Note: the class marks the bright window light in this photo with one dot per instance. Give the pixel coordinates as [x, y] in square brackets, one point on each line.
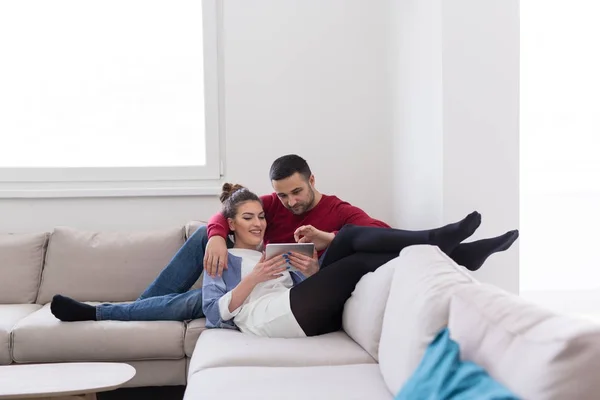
[560, 145]
[112, 83]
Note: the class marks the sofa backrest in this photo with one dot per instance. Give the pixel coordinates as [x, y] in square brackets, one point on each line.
[21, 262]
[533, 351]
[105, 266]
[417, 309]
[191, 227]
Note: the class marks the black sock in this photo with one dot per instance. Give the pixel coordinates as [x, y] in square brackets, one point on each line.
[450, 236]
[67, 309]
[473, 255]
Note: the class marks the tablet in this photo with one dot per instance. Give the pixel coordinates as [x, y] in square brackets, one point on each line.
[276, 249]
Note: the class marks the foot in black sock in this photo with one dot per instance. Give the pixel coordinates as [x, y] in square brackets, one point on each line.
[67, 309]
[473, 255]
[449, 236]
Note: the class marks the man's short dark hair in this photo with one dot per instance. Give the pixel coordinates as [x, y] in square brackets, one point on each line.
[288, 165]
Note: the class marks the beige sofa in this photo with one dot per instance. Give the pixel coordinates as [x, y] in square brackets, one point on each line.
[390, 319]
[92, 267]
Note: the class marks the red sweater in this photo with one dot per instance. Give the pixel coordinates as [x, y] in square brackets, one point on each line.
[329, 215]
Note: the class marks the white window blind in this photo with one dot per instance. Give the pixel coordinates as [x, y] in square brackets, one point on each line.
[560, 145]
[112, 90]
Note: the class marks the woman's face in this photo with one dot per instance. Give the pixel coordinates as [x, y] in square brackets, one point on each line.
[249, 224]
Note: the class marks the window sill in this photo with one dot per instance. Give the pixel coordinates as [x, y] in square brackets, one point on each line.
[107, 189]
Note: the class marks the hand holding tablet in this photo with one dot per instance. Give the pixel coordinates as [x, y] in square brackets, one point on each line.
[277, 249]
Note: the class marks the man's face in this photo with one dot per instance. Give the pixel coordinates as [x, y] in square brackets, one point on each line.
[295, 193]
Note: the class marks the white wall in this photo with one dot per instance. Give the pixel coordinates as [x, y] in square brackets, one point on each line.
[405, 108]
[458, 127]
[307, 77]
[418, 113]
[481, 122]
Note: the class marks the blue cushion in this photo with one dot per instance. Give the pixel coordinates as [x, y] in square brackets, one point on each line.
[442, 375]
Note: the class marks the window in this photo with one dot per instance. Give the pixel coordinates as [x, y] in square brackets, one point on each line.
[560, 146]
[120, 94]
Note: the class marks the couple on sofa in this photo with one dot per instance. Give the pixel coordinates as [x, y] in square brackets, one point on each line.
[242, 290]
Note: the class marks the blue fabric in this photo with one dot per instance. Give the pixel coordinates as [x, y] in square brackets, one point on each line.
[442, 375]
[169, 307]
[213, 288]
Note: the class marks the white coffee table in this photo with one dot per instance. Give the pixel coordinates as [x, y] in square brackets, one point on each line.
[62, 380]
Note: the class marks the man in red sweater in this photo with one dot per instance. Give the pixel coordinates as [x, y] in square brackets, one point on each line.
[295, 212]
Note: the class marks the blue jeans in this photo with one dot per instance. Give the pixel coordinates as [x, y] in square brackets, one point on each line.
[167, 298]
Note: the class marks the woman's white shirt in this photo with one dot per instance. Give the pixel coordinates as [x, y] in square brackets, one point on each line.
[266, 311]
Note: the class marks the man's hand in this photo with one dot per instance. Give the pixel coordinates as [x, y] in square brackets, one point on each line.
[308, 266]
[310, 234]
[215, 256]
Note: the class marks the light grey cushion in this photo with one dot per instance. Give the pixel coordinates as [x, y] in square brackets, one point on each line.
[193, 329]
[347, 382]
[192, 227]
[10, 314]
[105, 266]
[533, 351]
[417, 309]
[157, 373]
[228, 348]
[40, 337]
[21, 261]
[363, 311]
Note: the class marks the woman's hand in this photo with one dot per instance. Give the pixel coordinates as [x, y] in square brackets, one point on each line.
[267, 270]
[262, 272]
[305, 264]
[310, 234]
[215, 256]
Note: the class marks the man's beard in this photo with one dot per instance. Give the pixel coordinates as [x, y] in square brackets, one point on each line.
[304, 207]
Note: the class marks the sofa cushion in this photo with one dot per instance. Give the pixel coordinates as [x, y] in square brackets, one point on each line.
[417, 309]
[533, 351]
[226, 347]
[348, 382]
[21, 262]
[363, 312]
[40, 337]
[192, 227]
[193, 329]
[10, 314]
[105, 266]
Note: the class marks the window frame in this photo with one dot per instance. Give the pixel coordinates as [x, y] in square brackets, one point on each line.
[31, 182]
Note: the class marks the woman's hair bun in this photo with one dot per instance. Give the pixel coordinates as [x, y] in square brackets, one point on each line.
[228, 190]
